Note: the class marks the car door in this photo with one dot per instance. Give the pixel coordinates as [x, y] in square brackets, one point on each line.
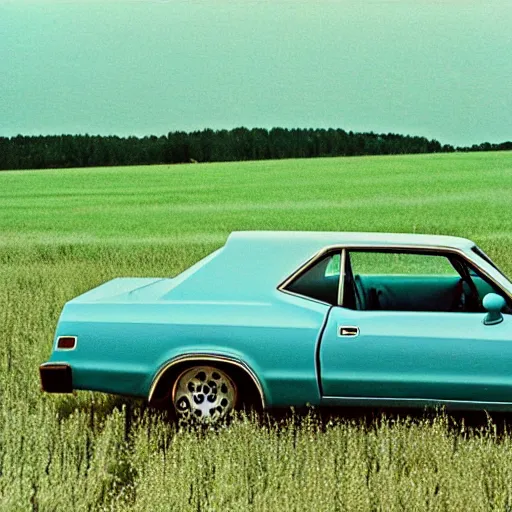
[445, 356]
[433, 355]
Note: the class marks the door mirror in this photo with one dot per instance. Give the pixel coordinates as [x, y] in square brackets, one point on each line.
[493, 303]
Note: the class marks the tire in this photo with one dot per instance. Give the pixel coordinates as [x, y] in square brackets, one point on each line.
[204, 393]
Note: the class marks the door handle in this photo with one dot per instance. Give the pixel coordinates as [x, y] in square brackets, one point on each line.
[348, 331]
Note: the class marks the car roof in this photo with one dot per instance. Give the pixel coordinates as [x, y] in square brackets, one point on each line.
[327, 238]
[253, 263]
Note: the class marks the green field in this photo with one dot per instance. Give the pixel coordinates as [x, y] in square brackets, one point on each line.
[65, 231]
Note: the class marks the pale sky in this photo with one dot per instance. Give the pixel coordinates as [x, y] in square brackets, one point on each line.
[441, 69]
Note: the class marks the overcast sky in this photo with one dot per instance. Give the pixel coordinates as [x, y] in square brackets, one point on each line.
[442, 69]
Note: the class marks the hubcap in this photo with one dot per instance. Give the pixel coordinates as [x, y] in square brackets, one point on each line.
[204, 392]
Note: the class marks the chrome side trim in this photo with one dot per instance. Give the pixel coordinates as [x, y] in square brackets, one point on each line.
[418, 401]
[311, 299]
[384, 248]
[207, 357]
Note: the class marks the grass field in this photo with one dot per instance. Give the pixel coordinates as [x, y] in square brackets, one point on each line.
[65, 231]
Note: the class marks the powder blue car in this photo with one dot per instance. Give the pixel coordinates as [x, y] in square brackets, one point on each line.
[294, 318]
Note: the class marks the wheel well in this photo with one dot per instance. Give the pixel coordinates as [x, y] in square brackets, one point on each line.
[246, 382]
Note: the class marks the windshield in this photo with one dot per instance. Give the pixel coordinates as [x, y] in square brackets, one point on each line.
[484, 256]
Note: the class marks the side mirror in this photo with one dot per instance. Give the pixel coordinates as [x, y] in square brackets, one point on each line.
[493, 303]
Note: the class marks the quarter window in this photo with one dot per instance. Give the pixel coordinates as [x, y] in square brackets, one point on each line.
[321, 281]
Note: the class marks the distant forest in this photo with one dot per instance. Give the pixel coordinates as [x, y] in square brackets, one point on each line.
[41, 152]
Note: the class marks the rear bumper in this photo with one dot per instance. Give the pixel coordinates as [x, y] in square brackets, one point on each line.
[56, 378]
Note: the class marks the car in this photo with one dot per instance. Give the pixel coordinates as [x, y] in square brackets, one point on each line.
[278, 319]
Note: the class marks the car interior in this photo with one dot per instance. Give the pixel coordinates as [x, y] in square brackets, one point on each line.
[462, 290]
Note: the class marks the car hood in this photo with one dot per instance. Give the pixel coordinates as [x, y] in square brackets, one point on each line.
[127, 289]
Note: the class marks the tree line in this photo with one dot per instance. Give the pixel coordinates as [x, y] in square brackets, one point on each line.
[55, 151]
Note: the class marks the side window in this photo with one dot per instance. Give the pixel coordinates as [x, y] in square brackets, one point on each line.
[394, 263]
[398, 281]
[320, 281]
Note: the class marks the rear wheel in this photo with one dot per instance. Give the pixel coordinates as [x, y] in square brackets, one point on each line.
[205, 393]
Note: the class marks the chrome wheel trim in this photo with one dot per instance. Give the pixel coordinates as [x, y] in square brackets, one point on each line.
[204, 393]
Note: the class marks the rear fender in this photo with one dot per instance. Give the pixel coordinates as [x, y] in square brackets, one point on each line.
[225, 359]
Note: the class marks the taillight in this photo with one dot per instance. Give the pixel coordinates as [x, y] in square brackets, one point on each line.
[66, 342]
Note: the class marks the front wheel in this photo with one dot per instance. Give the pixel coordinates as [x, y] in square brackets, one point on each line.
[205, 393]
